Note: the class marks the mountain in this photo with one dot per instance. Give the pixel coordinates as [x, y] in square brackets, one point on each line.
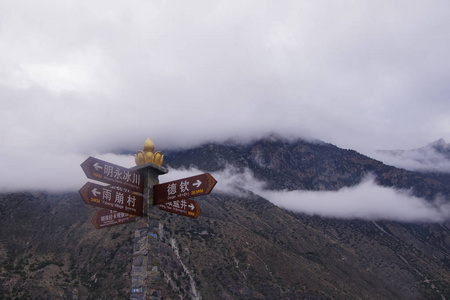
[434, 157]
[439, 146]
[241, 246]
[306, 165]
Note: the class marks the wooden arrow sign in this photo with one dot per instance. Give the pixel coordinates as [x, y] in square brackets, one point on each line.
[106, 217]
[106, 197]
[106, 172]
[186, 207]
[183, 188]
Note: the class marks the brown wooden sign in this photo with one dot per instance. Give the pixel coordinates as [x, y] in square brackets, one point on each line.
[183, 188]
[185, 207]
[106, 197]
[106, 217]
[106, 172]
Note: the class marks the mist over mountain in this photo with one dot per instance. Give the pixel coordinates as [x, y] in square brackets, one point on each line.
[288, 219]
[433, 157]
[284, 164]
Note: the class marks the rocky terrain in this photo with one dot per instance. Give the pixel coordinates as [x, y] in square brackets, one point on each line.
[240, 247]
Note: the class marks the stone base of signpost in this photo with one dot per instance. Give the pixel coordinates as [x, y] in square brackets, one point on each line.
[140, 261]
[146, 280]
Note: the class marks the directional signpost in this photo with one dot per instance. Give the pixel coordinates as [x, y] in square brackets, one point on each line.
[106, 217]
[132, 192]
[186, 207]
[183, 188]
[107, 197]
[106, 172]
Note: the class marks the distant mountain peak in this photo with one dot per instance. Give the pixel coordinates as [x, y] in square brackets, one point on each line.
[440, 143]
[439, 146]
[434, 157]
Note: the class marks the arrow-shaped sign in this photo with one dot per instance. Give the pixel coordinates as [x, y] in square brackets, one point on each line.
[186, 207]
[183, 188]
[108, 197]
[106, 172]
[106, 217]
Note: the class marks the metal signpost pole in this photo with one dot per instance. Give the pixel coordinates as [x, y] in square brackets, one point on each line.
[146, 281]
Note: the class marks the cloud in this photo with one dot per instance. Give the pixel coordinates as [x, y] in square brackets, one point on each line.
[422, 162]
[78, 77]
[52, 172]
[366, 200]
[433, 157]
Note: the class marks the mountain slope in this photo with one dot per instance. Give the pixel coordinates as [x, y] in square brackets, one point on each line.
[240, 247]
[303, 165]
[50, 250]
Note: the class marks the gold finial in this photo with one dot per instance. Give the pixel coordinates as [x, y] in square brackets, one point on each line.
[139, 158]
[149, 146]
[158, 158]
[148, 156]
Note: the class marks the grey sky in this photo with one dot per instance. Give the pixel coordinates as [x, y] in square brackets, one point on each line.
[79, 78]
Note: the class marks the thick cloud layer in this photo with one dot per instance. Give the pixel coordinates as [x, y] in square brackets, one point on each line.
[434, 157]
[364, 201]
[430, 161]
[78, 77]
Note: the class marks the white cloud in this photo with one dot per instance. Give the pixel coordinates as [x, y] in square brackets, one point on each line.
[366, 200]
[433, 157]
[429, 162]
[50, 172]
[81, 77]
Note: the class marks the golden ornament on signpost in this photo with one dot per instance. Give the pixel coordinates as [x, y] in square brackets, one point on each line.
[148, 155]
[139, 158]
[158, 158]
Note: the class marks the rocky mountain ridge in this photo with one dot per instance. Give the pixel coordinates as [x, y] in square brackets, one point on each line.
[305, 165]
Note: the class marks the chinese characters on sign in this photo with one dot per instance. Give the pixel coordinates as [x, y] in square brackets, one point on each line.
[113, 174]
[185, 207]
[183, 188]
[121, 202]
[174, 190]
[110, 198]
[106, 217]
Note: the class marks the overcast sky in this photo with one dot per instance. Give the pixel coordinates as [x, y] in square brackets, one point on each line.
[80, 78]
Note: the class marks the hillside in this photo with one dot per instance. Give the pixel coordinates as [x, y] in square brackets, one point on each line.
[241, 247]
[306, 165]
